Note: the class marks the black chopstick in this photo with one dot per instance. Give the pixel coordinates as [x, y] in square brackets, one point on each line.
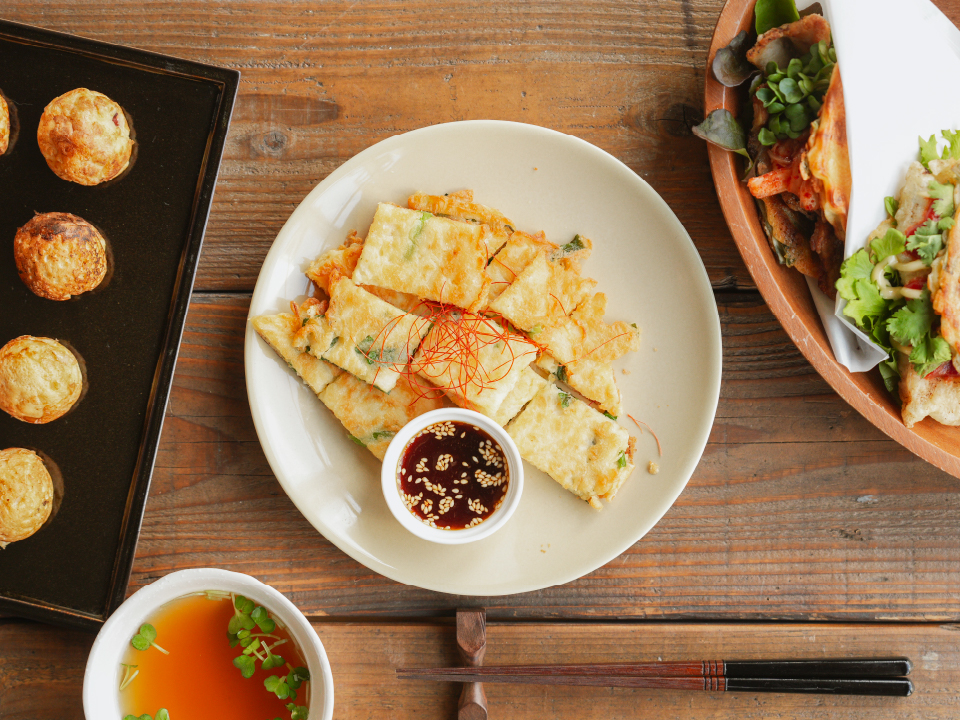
[852, 676]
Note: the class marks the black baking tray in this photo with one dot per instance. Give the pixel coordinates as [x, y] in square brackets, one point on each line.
[74, 571]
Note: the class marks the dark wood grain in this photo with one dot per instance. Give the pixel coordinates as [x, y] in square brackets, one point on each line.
[472, 646]
[41, 675]
[324, 80]
[799, 509]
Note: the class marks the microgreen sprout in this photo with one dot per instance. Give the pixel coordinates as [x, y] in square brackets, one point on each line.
[248, 617]
[162, 714]
[145, 638]
[129, 673]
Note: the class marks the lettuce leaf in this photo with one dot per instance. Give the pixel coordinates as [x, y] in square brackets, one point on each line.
[770, 14]
[928, 150]
[893, 243]
[867, 307]
[856, 267]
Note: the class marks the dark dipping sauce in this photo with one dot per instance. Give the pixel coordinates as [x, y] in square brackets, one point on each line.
[453, 475]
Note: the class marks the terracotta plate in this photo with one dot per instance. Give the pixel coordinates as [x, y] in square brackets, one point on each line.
[786, 292]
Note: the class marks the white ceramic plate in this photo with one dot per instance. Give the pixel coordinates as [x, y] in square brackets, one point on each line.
[644, 261]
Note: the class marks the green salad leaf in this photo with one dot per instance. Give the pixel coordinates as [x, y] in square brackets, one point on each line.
[730, 65]
[856, 267]
[929, 354]
[722, 129]
[943, 197]
[771, 14]
[867, 306]
[892, 243]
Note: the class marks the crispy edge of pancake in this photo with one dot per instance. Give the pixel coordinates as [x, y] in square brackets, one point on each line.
[574, 444]
[372, 416]
[278, 332]
[355, 317]
[500, 366]
[460, 206]
[543, 292]
[527, 387]
[431, 257]
[938, 398]
[341, 261]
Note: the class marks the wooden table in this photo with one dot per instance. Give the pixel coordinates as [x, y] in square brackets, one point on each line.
[803, 532]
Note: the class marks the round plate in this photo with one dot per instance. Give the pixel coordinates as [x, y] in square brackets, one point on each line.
[785, 289]
[644, 261]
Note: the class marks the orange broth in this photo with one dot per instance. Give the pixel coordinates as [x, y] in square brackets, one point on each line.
[198, 680]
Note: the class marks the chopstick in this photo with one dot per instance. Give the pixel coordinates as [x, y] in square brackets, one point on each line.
[854, 676]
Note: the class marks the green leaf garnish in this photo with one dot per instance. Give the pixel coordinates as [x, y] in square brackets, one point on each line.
[722, 129]
[866, 303]
[911, 323]
[928, 150]
[564, 398]
[929, 354]
[561, 374]
[856, 267]
[926, 245]
[145, 638]
[612, 417]
[771, 14]
[890, 373]
[943, 194]
[622, 460]
[383, 434]
[246, 665]
[892, 243]
[891, 205]
[358, 441]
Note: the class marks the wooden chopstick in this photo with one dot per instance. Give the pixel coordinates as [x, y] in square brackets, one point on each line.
[854, 676]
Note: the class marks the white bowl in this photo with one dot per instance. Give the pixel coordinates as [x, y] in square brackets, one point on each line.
[101, 679]
[391, 487]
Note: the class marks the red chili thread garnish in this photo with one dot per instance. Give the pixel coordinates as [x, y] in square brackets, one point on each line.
[644, 425]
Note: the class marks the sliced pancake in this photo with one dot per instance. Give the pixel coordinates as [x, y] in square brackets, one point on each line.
[528, 385]
[373, 417]
[428, 256]
[373, 339]
[279, 332]
[460, 206]
[586, 452]
[339, 262]
[474, 360]
[543, 293]
[518, 252]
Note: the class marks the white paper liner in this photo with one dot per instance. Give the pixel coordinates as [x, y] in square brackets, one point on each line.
[900, 60]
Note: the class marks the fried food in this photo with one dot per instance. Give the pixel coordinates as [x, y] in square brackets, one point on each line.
[280, 333]
[931, 396]
[474, 359]
[800, 36]
[371, 338]
[372, 416]
[828, 160]
[4, 125]
[586, 452]
[460, 206]
[543, 293]
[40, 379]
[84, 137]
[59, 255]
[26, 494]
[424, 255]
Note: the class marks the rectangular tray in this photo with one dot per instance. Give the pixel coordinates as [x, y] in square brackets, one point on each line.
[74, 571]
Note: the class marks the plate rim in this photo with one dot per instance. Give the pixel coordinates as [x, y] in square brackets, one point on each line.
[712, 348]
[862, 391]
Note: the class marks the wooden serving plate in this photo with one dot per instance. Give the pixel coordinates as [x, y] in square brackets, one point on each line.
[785, 289]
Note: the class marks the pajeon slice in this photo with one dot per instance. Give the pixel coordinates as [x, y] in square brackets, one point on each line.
[586, 452]
[372, 339]
[372, 416]
[279, 332]
[543, 293]
[936, 397]
[460, 206]
[425, 255]
[342, 261]
[595, 381]
[474, 360]
[514, 256]
[528, 385]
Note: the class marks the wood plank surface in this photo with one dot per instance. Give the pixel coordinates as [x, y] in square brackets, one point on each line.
[799, 509]
[322, 81]
[365, 656]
